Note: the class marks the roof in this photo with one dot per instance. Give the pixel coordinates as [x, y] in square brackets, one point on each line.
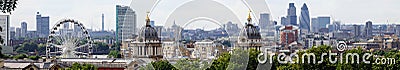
[17, 65]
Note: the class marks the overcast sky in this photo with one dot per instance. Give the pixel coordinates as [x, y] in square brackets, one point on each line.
[89, 11]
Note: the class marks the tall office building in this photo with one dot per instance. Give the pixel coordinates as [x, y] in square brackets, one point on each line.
[337, 25]
[4, 29]
[368, 29]
[284, 21]
[266, 27]
[320, 22]
[102, 22]
[17, 32]
[292, 17]
[24, 29]
[357, 31]
[314, 24]
[126, 23]
[304, 19]
[397, 30]
[42, 25]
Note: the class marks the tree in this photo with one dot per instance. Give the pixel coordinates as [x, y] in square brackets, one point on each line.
[114, 54]
[6, 6]
[27, 47]
[77, 66]
[34, 57]
[163, 65]
[101, 47]
[253, 62]
[355, 66]
[221, 63]
[224, 62]
[20, 56]
[185, 64]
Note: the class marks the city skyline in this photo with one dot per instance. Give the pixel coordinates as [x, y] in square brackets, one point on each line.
[337, 9]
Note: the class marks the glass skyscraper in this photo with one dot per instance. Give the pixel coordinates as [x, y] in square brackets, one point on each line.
[291, 16]
[304, 19]
[42, 25]
[126, 23]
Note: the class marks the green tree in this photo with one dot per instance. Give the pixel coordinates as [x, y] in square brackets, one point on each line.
[390, 54]
[317, 50]
[163, 65]
[27, 47]
[354, 66]
[185, 64]
[221, 63]
[100, 46]
[6, 6]
[114, 54]
[77, 66]
[34, 57]
[20, 56]
[253, 60]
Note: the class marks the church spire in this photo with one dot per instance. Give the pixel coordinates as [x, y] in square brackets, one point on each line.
[249, 18]
[147, 19]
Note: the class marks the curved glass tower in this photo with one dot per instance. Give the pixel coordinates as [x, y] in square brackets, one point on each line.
[304, 19]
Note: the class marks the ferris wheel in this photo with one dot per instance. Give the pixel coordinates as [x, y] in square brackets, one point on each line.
[69, 39]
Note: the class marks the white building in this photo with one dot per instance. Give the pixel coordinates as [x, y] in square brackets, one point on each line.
[4, 28]
[204, 50]
[169, 49]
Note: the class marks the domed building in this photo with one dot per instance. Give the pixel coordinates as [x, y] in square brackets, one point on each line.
[249, 37]
[147, 44]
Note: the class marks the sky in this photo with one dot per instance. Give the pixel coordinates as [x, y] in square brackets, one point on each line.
[181, 11]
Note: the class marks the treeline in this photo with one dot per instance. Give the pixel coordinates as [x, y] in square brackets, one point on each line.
[237, 61]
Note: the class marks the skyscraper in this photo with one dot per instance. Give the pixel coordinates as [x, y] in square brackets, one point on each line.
[17, 32]
[267, 28]
[368, 29]
[397, 30]
[284, 21]
[42, 25]
[304, 19]
[102, 22]
[126, 23]
[357, 31]
[320, 22]
[24, 29]
[292, 17]
[337, 25]
[314, 24]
